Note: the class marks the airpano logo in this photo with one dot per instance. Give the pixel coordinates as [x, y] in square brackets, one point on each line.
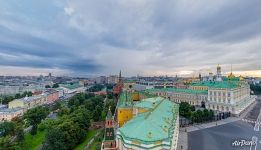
[243, 142]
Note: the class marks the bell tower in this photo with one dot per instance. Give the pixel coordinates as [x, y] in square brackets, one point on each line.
[218, 76]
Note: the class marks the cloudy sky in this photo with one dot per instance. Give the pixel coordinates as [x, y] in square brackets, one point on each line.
[145, 37]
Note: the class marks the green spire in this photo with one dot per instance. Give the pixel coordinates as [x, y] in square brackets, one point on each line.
[109, 114]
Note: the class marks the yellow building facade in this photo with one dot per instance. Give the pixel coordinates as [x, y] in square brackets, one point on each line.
[124, 115]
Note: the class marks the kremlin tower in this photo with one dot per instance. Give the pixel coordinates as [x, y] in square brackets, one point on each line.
[117, 89]
[109, 142]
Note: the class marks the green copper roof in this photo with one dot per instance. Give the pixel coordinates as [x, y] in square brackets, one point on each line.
[147, 94]
[129, 81]
[179, 90]
[217, 84]
[149, 103]
[231, 79]
[109, 114]
[152, 126]
[125, 99]
[71, 86]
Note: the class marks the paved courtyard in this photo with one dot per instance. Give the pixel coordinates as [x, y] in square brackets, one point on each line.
[221, 137]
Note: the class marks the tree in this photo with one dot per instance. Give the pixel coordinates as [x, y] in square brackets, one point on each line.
[30, 93]
[57, 105]
[109, 86]
[81, 116]
[109, 95]
[19, 132]
[256, 88]
[64, 111]
[47, 86]
[7, 128]
[7, 99]
[97, 113]
[185, 109]
[34, 116]
[6, 143]
[96, 88]
[55, 139]
[26, 93]
[56, 85]
[18, 95]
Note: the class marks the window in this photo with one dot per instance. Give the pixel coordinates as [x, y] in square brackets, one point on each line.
[224, 94]
[228, 94]
[219, 93]
[219, 100]
[215, 93]
[228, 101]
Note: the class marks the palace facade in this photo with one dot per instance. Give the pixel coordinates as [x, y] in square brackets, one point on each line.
[224, 94]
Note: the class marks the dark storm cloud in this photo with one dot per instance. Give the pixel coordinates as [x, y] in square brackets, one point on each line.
[140, 35]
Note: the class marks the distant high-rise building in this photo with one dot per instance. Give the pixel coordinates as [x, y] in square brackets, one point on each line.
[112, 79]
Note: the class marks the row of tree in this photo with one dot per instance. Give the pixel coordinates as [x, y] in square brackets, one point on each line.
[56, 85]
[8, 98]
[202, 116]
[188, 111]
[96, 88]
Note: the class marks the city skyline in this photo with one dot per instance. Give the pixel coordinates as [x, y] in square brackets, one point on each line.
[139, 37]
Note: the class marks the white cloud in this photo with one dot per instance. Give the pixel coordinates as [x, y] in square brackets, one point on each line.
[68, 11]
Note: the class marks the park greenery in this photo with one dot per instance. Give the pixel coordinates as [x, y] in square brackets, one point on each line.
[11, 134]
[55, 85]
[96, 88]
[72, 126]
[34, 117]
[99, 87]
[70, 129]
[198, 116]
[6, 99]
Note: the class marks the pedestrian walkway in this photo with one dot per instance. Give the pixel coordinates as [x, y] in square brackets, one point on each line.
[86, 147]
[210, 124]
[183, 132]
[183, 140]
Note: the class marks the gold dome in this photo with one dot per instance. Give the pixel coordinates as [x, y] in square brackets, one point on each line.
[218, 66]
[231, 75]
[241, 78]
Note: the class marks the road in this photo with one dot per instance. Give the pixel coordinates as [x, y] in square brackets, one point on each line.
[229, 136]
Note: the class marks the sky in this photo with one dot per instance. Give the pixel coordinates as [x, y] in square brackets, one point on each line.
[139, 37]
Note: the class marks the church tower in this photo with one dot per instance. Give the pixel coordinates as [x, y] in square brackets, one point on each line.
[218, 76]
[109, 142]
[200, 77]
[117, 89]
